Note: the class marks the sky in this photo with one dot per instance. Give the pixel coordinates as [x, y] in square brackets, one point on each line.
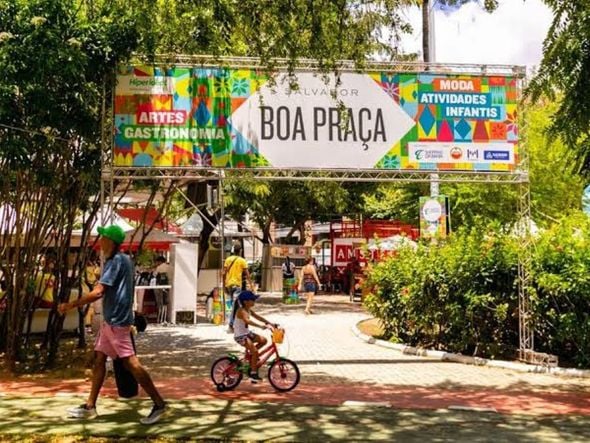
[512, 35]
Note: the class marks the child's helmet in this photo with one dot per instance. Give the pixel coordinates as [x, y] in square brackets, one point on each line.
[247, 295]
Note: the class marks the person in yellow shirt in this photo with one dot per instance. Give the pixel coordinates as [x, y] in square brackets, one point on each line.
[234, 268]
[45, 285]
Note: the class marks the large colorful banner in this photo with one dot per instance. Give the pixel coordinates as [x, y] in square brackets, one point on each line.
[240, 118]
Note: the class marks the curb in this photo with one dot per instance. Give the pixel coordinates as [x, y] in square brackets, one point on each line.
[477, 361]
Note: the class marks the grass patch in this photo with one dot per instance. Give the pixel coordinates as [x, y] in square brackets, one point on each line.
[373, 328]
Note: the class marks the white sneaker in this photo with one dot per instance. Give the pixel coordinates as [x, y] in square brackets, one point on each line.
[154, 416]
[82, 411]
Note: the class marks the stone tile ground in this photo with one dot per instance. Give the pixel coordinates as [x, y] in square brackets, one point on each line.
[328, 352]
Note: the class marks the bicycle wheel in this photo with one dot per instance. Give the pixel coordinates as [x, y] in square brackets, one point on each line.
[225, 374]
[283, 374]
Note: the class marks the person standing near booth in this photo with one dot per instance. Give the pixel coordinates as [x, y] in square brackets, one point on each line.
[289, 282]
[163, 277]
[235, 269]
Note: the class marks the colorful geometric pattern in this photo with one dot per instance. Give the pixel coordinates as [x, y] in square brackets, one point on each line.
[425, 98]
[189, 124]
[181, 116]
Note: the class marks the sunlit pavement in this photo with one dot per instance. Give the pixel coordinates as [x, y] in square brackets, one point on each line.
[349, 389]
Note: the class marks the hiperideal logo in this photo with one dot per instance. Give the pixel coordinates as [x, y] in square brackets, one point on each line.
[147, 82]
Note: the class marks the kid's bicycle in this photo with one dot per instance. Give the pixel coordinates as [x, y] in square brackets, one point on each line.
[283, 374]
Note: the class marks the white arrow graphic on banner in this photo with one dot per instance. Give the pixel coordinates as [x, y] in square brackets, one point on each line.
[302, 128]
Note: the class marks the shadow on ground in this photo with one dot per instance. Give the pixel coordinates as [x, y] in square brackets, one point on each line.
[219, 419]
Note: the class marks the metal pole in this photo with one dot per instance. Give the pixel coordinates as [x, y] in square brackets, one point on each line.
[222, 230]
[526, 334]
[434, 183]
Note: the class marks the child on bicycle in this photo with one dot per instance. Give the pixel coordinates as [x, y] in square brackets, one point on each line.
[243, 336]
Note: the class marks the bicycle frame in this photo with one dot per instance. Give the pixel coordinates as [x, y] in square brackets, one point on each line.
[263, 354]
[227, 372]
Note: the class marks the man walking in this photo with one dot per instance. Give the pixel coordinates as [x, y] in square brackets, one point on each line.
[115, 286]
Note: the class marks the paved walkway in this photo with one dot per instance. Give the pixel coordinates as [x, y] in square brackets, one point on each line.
[336, 368]
[327, 351]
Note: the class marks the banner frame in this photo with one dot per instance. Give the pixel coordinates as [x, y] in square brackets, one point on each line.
[111, 175]
[280, 66]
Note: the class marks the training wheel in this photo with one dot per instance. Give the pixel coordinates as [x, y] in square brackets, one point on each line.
[220, 388]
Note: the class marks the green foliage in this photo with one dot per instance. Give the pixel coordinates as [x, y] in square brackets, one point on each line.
[565, 69]
[459, 294]
[325, 30]
[556, 188]
[56, 57]
[397, 202]
[255, 270]
[562, 282]
[293, 203]
[145, 259]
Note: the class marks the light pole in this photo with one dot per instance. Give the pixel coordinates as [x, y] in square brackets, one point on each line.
[429, 56]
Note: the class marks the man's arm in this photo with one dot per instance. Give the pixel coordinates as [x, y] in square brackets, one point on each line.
[224, 271]
[91, 297]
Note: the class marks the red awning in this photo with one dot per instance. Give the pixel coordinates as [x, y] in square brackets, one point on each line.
[152, 217]
[156, 240]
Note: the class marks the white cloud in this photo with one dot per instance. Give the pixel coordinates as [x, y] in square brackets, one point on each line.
[512, 35]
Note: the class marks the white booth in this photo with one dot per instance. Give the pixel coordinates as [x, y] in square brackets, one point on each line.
[182, 306]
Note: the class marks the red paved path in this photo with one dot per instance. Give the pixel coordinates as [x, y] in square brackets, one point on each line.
[407, 397]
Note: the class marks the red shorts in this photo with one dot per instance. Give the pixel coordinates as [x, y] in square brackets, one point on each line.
[114, 341]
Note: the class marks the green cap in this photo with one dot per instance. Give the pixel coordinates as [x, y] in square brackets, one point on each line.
[112, 232]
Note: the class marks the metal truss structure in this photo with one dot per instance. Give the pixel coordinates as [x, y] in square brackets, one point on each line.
[112, 175]
[277, 64]
[340, 175]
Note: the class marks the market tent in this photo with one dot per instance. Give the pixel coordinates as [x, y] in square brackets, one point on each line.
[151, 218]
[392, 243]
[156, 240]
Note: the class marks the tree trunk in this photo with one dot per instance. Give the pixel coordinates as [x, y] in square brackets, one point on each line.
[197, 193]
[425, 31]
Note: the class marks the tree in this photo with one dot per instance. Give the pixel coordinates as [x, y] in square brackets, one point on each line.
[293, 203]
[325, 30]
[556, 188]
[564, 73]
[55, 60]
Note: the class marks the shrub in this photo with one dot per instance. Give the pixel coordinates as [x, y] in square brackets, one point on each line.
[459, 295]
[561, 275]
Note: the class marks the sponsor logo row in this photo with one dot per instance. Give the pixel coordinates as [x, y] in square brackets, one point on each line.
[461, 152]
